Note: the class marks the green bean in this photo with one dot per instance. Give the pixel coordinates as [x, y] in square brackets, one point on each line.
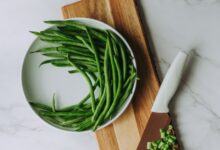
[47, 49]
[114, 78]
[98, 43]
[71, 23]
[40, 106]
[85, 43]
[116, 98]
[58, 64]
[93, 76]
[103, 60]
[74, 48]
[72, 30]
[115, 47]
[71, 121]
[75, 52]
[58, 61]
[60, 39]
[123, 53]
[73, 71]
[88, 80]
[85, 99]
[82, 58]
[108, 89]
[69, 114]
[127, 92]
[97, 40]
[78, 59]
[97, 33]
[83, 62]
[85, 69]
[53, 104]
[96, 58]
[54, 55]
[103, 97]
[129, 79]
[63, 50]
[65, 63]
[67, 42]
[58, 34]
[99, 106]
[84, 125]
[47, 37]
[77, 106]
[50, 119]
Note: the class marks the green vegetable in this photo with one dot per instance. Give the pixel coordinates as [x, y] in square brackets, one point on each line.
[87, 79]
[102, 58]
[53, 104]
[68, 114]
[167, 141]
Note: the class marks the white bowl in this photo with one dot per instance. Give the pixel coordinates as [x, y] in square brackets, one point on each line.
[39, 84]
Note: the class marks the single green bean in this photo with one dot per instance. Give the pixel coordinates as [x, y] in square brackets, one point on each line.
[53, 104]
[73, 71]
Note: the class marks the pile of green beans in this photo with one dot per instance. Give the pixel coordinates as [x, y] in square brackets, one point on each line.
[102, 59]
[167, 141]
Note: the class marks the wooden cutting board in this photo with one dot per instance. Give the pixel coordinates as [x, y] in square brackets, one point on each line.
[125, 132]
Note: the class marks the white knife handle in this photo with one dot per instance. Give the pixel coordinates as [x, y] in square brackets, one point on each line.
[170, 84]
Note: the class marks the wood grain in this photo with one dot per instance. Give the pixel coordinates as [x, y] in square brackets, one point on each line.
[126, 131]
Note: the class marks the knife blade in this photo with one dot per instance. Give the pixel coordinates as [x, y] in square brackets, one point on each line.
[160, 117]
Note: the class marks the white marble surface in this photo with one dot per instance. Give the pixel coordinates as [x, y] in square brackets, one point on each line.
[183, 25]
[174, 25]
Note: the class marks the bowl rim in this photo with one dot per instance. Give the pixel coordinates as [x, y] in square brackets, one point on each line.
[128, 100]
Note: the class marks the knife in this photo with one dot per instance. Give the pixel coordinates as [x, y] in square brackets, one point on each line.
[160, 117]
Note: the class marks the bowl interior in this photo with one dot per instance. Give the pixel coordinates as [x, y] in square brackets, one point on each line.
[40, 83]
